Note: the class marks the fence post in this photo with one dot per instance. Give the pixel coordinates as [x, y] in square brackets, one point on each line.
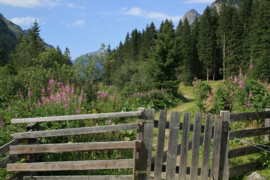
[225, 145]
[267, 124]
[34, 127]
[145, 135]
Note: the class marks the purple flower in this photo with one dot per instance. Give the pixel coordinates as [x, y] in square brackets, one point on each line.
[48, 89]
[51, 82]
[246, 77]
[195, 78]
[231, 95]
[38, 103]
[235, 81]
[21, 96]
[72, 91]
[223, 81]
[248, 105]
[48, 101]
[77, 111]
[82, 91]
[43, 90]
[74, 104]
[251, 66]
[31, 109]
[29, 93]
[66, 105]
[231, 77]
[119, 156]
[193, 82]
[250, 95]
[60, 84]
[81, 98]
[68, 99]
[67, 88]
[43, 98]
[110, 122]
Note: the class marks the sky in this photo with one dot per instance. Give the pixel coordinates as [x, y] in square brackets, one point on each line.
[83, 26]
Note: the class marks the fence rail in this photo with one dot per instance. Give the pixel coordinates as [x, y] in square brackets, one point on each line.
[143, 162]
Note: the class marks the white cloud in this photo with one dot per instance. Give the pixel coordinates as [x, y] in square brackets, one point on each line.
[77, 23]
[31, 3]
[25, 20]
[71, 5]
[136, 11]
[198, 1]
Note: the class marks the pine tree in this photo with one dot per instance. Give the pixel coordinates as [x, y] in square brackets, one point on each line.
[207, 41]
[179, 28]
[67, 56]
[164, 59]
[2, 57]
[186, 48]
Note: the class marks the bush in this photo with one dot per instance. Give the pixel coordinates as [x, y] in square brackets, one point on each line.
[202, 92]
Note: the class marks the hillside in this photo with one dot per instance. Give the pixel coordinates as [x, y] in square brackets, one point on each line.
[191, 16]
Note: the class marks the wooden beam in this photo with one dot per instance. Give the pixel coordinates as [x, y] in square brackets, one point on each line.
[241, 169]
[112, 177]
[249, 116]
[77, 117]
[249, 132]
[160, 143]
[71, 165]
[75, 131]
[70, 147]
[244, 151]
[5, 147]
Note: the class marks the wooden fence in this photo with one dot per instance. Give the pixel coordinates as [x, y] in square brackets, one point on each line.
[162, 166]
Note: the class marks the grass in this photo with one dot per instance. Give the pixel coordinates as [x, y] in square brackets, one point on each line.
[189, 106]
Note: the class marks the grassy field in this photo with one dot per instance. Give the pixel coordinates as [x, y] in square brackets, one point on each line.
[189, 106]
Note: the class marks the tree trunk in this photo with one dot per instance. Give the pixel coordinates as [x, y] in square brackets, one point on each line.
[207, 74]
[224, 56]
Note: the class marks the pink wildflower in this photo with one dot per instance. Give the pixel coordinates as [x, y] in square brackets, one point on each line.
[110, 122]
[21, 96]
[251, 66]
[66, 105]
[231, 77]
[82, 91]
[250, 95]
[77, 111]
[31, 109]
[60, 84]
[119, 156]
[81, 98]
[29, 93]
[43, 98]
[67, 88]
[48, 101]
[235, 81]
[223, 81]
[195, 78]
[72, 91]
[68, 99]
[43, 90]
[51, 82]
[248, 105]
[48, 89]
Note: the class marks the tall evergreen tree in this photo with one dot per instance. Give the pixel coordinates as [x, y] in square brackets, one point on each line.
[164, 59]
[207, 41]
[2, 57]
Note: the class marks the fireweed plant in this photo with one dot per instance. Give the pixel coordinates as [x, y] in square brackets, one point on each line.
[58, 99]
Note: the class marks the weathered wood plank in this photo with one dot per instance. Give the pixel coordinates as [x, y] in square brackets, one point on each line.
[10, 158]
[70, 147]
[267, 124]
[5, 147]
[244, 151]
[216, 148]
[156, 122]
[74, 131]
[184, 147]
[139, 137]
[135, 168]
[71, 165]
[77, 117]
[195, 146]
[249, 132]
[172, 145]
[225, 145]
[241, 169]
[147, 143]
[178, 149]
[106, 177]
[207, 146]
[177, 170]
[19, 176]
[160, 143]
[249, 116]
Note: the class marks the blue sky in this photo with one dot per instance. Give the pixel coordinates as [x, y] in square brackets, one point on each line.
[83, 26]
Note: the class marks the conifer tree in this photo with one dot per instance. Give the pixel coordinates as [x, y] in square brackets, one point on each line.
[2, 57]
[164, 59]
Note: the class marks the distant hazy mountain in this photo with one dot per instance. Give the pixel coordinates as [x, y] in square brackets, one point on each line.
[93, 53]
[191, 16]
[217, 4]
[17, 30]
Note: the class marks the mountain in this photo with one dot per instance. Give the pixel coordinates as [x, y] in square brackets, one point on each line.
[101, 50]
[191, 16]
[7, 39]
[17, 30]
[217, 4]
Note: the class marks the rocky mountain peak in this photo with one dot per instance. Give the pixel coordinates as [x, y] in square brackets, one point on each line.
[191, 16]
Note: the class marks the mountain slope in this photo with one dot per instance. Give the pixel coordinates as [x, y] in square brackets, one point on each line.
[17, 30]
[7, 38]
[191, 16]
